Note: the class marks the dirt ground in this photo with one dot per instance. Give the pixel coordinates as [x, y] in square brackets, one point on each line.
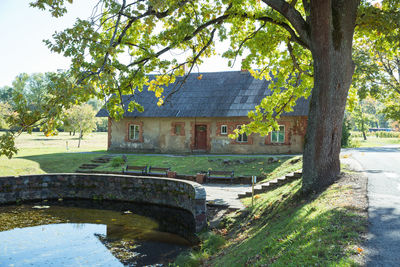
[357, 201]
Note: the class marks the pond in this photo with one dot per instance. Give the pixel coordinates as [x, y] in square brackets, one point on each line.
[92, 233]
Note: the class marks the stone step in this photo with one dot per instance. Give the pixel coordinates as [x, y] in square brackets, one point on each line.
[258, 191]
[88, 166]
[100, 160]
[272, 184]
[266, 187]
[298, 174]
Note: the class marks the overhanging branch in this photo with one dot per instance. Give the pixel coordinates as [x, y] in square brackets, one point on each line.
[293, 16]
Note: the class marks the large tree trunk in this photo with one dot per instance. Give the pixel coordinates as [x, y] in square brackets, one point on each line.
[332, 26]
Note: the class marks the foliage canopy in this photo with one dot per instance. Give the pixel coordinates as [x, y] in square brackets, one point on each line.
[303, 46]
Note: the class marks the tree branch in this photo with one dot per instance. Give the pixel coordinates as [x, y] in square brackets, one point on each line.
[293, 16]
[187, 38]
[296, 64]
[250, 36]
[289, 29]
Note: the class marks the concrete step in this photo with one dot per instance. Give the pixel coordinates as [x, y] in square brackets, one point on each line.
[265, 187]
[272, 184]
[88, 166]
[298, 174]
[258, 191]
[100, 160]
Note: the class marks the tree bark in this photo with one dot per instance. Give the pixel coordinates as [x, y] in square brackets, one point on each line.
[80, 138]
[332, 26]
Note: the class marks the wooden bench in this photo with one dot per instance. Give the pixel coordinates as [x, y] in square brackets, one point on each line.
[223, 175]
[142, 170]
[158, 171]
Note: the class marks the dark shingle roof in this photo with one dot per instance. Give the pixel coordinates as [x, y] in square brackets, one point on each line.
[217, 94]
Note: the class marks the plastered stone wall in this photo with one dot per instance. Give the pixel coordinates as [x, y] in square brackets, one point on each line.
[185, 195]
[158, 136]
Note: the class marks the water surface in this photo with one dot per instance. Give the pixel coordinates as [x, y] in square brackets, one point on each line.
[66, 244]
[87, 233]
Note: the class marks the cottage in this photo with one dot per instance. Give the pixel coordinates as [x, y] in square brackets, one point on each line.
[200, 116]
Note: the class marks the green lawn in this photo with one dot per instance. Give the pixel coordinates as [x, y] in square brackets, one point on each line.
[242, 166]
[40, 154]
[286, 228]
[373, 141]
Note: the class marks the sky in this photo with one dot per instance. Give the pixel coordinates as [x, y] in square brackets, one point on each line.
[23, 29]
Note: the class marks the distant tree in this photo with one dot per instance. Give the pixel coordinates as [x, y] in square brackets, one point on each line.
[96, 103]
[81, 118]
[362, 119]
[5, 94]
[395, 126]
[39, 101]
[345, 142]
[392, 107]
[377, 58]
[362, 112]
[5, 111]
[102, 124]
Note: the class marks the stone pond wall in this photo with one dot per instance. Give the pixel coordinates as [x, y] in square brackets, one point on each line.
[186, 195]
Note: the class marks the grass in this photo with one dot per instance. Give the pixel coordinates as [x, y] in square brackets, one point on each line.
[242, 166]
[286, 228]
[38, 144]
[40, 154]
[374, 139]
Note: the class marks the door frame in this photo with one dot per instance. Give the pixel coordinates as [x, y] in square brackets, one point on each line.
[193, 135]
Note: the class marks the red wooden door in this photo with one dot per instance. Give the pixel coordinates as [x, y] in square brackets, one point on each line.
[201, 137]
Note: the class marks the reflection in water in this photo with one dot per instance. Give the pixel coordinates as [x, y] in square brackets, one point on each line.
[92, 236]
[55, 245]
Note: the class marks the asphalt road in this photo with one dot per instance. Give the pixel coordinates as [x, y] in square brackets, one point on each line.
[382, 166]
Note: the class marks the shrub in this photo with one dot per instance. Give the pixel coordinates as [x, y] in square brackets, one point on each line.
[191, 259]
[345, 142]
[118, 161]
[212, 243]
[382, 134]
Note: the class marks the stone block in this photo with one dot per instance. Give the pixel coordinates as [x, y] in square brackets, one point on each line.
[200, 178]
[171, 174]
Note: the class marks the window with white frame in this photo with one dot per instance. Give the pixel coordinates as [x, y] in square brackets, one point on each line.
[134, 131]
[242, 138]
[224, 129]
[278, 136]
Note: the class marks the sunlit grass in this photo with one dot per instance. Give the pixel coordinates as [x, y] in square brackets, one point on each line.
[373, 141]
[40, 154]
[285, 228]
[242, 166]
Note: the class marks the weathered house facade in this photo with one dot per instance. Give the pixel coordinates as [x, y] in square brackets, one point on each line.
[200, 116]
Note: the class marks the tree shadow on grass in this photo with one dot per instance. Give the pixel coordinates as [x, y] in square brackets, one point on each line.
[294, 232]
[61, 162]
[189, 165]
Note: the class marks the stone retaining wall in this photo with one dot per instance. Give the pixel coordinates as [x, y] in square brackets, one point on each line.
[186, 195]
